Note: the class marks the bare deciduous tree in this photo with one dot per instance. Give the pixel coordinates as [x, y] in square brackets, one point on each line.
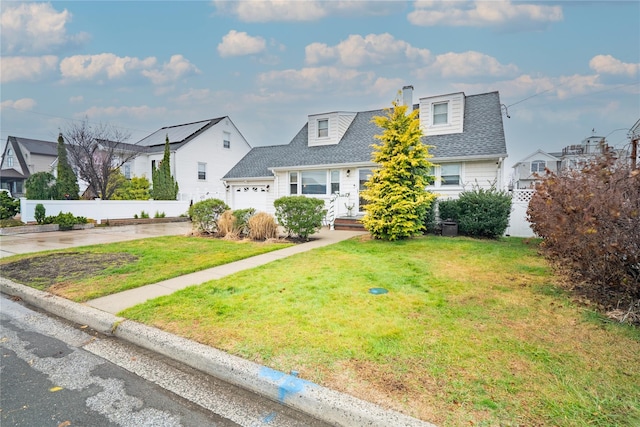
[97, 152]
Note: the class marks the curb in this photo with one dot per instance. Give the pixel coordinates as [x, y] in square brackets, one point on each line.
[322, 403]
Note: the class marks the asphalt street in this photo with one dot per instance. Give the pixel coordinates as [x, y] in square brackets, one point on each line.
[55, 373]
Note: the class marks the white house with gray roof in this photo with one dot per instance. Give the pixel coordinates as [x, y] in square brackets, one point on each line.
[330, 157]
[201, 154]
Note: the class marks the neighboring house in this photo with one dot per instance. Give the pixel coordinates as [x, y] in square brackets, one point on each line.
[571, 157]
[527, 170]
[331, 155]
[23, 157]
[201, 153]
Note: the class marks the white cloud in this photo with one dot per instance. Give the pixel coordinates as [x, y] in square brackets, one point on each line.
[76, 99]
[273, 10]
[139, 112]
[30, 68]
[570, 86]
[86, 67]
[35, 28]
[24, 104]
[373, 49]
[303, 10]
[193, 96]
[469, 64]
[236, 43]
[177, 67]
[497, 13]
[607, 64]
[317, 78]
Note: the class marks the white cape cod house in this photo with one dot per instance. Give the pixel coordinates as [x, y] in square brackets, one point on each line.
[330, 158]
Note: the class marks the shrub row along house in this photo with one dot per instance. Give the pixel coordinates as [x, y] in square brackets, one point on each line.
[329, 158]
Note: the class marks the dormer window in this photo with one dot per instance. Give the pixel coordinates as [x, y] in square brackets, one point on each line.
[323, 128]
[441, 113]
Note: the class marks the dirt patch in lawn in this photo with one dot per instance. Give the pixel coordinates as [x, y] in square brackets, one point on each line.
[48, 270]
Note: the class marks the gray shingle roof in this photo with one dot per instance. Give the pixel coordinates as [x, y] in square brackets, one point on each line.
[483, 137]
[35, 146]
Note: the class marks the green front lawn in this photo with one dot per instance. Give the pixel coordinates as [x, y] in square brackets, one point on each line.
[89, 272]
[471, 332]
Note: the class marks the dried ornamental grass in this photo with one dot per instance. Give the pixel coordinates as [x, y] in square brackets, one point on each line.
[262, 226]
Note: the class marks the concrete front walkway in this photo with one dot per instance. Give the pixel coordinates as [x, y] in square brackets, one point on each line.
[117, 302]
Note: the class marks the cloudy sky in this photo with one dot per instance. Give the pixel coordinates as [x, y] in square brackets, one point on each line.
[563, 68]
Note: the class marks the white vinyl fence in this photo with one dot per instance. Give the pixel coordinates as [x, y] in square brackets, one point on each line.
[518, 224]
[102, 210]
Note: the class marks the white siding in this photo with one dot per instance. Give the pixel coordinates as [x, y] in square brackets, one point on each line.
[482, 174]
[338, 124]
[204, 148]
[455, 114]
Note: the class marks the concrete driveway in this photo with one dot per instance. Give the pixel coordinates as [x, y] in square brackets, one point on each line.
[35, 242]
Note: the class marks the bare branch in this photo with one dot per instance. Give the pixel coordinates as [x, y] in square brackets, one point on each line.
[97, 152]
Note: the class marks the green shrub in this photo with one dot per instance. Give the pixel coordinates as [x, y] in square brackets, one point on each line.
[242, 217]
[448, 210]
[65, 221]
[479, 212]
[204, 214]
[10, 222]
[9, 206]
[40, 213]
[41, 186]
[299, 215]
[430, 223]
[159, 215]
[143, 214]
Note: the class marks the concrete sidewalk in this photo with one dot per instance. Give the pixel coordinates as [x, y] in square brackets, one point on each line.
[117, 302]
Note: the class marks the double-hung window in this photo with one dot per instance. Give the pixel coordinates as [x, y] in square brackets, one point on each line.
[323, 128]
[202, 171]
[538, 166]
[441, 113]
[450, 174]
[293, 183]
[226, 140]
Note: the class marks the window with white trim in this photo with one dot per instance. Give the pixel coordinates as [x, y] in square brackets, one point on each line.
[226, 140]
[450, 174]
[323, 128]
[127, 170]
[441, 113]
[293, 183]
[335, 181]
[202, 171]
[314, 182]
[538, 166]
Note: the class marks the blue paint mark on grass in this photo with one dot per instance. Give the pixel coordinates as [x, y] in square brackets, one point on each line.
[287, 384]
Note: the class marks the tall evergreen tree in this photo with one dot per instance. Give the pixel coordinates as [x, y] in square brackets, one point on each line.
[396, 193]
[67, 181]
[165, 186]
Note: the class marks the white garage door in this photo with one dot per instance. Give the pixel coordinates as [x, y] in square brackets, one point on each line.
[250, 197]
